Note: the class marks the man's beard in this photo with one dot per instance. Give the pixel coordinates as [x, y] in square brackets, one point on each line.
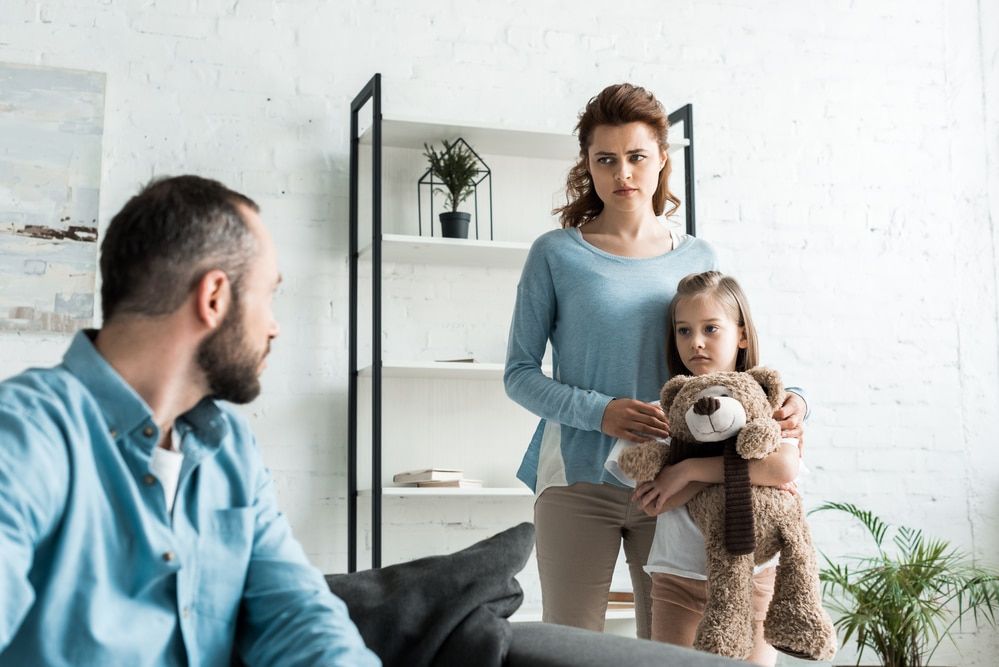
[229, 363]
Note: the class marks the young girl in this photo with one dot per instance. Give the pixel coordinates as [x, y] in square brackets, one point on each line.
[710, 329]
[596, 291]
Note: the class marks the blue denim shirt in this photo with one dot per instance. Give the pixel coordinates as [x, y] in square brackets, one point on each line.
[93, 569]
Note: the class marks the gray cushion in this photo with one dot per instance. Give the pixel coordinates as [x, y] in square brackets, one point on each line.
[443, 610]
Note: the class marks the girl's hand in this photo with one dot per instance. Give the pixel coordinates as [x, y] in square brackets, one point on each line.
[634, 420]
[790, 487]
[652, 496]
[790, 416]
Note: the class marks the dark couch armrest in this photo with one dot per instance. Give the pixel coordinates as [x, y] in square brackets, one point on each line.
[547, 645]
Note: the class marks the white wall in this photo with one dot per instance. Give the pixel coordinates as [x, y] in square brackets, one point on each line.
[847, 172]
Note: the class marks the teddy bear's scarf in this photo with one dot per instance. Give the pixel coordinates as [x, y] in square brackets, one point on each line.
[740, 528]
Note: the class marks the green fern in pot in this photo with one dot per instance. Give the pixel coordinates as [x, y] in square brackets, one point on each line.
[903, 602]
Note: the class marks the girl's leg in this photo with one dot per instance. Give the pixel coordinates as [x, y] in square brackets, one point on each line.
[578, 536]
[677, 608]
[639, 530]
[763, 589]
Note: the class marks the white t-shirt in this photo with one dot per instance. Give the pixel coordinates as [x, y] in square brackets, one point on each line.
[678, 545]
[165, 465]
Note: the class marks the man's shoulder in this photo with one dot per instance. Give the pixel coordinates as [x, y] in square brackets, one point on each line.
[39, 389]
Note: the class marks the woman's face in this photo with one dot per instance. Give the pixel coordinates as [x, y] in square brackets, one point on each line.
[624, 162]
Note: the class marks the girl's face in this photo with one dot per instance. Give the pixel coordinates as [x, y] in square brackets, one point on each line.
[707, 338]
[624, 162]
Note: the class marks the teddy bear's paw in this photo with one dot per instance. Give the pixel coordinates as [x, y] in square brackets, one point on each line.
[642, 462]
[729, 644]
[816, 641]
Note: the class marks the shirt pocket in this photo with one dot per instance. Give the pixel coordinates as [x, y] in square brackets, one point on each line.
[224, 550]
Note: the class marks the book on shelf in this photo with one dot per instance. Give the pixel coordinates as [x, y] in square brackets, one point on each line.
[452, 483]
[427, 475]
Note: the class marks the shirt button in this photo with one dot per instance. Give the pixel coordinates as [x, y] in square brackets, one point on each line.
[148, 431]
[187, 612]
[148, 480]
[114, 433]
[168, 556]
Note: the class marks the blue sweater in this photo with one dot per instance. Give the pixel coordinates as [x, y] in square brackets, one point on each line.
[605, 317]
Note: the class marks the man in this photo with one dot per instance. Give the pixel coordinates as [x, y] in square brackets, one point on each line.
[138, 525]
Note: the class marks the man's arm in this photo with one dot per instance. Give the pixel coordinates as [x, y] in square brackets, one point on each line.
[287, 615]
[34, 475]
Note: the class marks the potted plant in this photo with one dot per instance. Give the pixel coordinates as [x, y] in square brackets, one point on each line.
[455, 167]
[903, 602]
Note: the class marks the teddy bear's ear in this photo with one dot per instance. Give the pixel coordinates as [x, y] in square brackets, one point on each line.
[770, 380]
[671, 389]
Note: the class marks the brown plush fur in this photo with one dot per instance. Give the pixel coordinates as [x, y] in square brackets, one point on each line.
[796, 623]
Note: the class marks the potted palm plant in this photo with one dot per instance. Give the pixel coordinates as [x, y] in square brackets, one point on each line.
[903, 602]
[456, 167]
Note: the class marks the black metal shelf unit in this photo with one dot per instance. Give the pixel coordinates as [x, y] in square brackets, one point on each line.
[371, 92]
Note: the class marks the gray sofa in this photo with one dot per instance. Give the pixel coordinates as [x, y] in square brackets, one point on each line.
[544, 645]
[453, 610]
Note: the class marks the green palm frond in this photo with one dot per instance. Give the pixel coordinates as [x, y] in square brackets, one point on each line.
[902, 605]
[874, 525]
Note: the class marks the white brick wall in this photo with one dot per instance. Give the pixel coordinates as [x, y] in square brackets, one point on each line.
[847, 166]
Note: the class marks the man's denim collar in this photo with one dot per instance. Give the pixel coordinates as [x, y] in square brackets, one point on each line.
[123, 408]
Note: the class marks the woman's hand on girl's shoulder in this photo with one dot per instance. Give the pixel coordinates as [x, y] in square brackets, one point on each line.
[791, 416]
[634, 420]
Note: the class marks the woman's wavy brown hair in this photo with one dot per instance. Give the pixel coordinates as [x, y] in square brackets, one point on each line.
[615, 105]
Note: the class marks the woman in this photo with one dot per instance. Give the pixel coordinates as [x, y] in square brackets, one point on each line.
[598, 289]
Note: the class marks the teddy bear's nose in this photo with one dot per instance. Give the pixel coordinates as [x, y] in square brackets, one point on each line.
[707, 405]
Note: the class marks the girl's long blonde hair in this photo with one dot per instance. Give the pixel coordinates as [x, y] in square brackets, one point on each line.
[727, 292]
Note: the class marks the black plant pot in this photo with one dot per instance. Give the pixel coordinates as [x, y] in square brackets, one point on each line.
[454, 224]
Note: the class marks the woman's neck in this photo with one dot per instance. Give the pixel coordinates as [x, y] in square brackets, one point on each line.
[628, 235]
[623, 224]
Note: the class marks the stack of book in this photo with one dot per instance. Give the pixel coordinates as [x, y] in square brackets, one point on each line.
[436, 477]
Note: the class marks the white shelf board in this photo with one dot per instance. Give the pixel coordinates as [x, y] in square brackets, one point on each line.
[403, 491]
[450, 370]
[411, 132]
[454, 252]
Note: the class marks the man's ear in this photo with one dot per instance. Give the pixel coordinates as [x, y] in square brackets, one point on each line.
[770, 380]
[213, 298]
[671, 389]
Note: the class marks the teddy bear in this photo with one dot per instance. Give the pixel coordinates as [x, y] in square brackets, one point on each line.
[729, 414]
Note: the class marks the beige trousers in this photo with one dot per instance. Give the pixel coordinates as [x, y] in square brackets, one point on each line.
[580, 529]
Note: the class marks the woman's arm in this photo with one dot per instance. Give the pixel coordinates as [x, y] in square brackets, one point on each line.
[530, 329]
[585, 409]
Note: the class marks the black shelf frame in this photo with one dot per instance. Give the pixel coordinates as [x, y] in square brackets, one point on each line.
[685, 115]
[371, 92]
